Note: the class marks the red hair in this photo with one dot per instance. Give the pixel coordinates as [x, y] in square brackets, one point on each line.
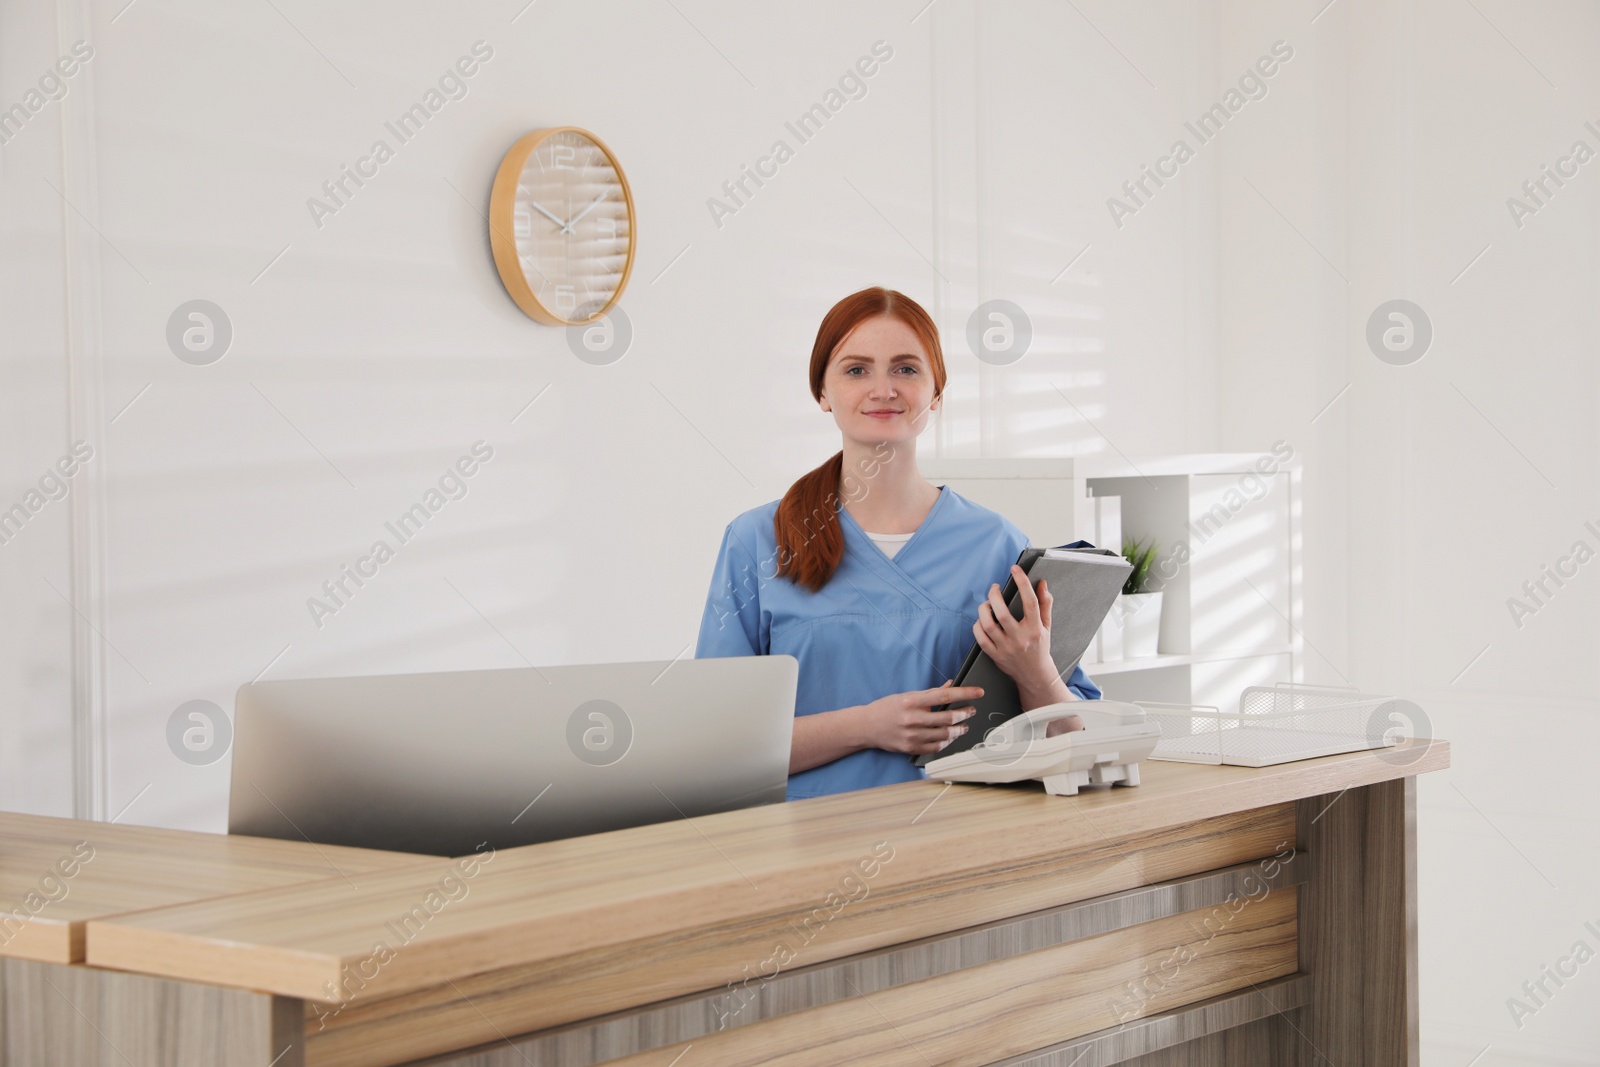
[810, 541]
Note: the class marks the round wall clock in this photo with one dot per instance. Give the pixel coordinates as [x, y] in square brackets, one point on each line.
[561, 226]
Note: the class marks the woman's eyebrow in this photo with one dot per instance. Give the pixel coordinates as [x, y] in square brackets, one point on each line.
[870, 359]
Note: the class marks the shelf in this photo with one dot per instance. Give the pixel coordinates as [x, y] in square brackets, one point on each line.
[1146, 663]
[1236, 514]
[1095, 466]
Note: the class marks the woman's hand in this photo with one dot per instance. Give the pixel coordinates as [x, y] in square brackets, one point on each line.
[903, 722]
[900, 722]
[1021, 647]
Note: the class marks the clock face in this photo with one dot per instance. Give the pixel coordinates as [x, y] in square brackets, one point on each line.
[561, 226]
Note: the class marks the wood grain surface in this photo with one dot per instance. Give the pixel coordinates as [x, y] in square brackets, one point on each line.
[981, 1014]
[542, 903]
[860, 951]
[57, 874]
[74, 1016]
[1359, 932]
[1233, 1030]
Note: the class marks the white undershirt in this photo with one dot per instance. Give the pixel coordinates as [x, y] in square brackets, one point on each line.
[890, 543]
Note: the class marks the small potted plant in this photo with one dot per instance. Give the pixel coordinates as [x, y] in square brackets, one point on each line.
[1139, 606]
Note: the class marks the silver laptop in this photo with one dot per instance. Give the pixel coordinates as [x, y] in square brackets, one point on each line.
[442, 763]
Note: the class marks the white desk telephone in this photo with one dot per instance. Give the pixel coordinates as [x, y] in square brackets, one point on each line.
[1115, 737]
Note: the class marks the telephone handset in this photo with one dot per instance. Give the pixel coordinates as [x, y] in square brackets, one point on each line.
[1107, 751]
[1096, 715]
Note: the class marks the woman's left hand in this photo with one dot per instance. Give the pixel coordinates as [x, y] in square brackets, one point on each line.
[1020, 647]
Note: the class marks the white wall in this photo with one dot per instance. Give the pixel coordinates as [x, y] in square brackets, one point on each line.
[381, 345]
[1227, 313]
[1436, 488]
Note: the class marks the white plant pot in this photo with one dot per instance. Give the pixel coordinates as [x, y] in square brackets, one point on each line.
[1141, 623]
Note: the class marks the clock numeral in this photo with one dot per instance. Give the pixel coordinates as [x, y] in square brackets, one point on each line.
[522, 222]
[607, 228]
[566, 298]
[562, 157]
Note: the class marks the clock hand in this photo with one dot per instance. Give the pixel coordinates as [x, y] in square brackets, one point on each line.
[541, 208]
[592, 204]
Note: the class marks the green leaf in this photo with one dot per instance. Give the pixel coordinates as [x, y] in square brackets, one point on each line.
[1142, 555]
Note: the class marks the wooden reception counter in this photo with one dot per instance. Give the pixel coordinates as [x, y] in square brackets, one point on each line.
[1212, 915]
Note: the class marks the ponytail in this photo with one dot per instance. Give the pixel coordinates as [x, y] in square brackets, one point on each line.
[810, 540]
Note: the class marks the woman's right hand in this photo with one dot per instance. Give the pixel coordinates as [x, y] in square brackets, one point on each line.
[904, 722]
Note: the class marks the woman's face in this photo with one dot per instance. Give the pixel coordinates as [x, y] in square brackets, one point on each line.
[878, 384]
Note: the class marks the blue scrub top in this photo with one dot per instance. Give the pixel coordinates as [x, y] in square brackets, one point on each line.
[881, 625]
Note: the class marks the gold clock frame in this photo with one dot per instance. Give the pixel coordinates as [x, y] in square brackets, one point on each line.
[502, 201]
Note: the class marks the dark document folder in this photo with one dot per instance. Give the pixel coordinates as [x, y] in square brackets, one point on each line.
[1084, 582]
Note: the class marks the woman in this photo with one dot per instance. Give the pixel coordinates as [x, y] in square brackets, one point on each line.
[877, 619]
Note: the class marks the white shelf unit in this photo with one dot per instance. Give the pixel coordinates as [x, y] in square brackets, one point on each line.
[1231, 613]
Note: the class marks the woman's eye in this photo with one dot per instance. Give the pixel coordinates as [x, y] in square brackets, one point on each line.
[850, 372]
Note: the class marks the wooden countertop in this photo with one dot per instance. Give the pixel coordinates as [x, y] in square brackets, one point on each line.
[57, 874]
[685, 879]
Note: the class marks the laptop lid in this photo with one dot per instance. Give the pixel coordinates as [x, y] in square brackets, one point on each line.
[441, 763]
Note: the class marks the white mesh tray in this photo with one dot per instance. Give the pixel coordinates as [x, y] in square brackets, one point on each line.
[1274, 724]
